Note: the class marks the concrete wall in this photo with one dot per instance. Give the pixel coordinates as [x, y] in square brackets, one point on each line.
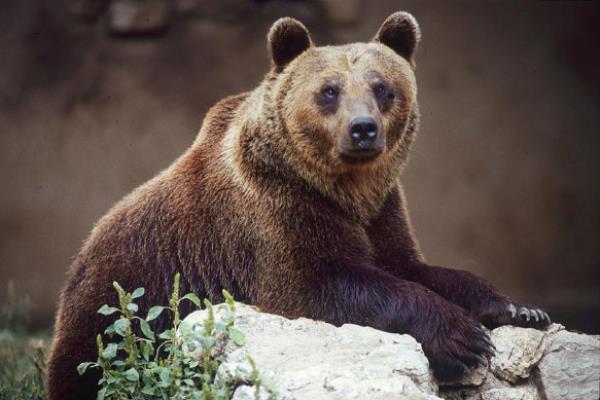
[503, 179]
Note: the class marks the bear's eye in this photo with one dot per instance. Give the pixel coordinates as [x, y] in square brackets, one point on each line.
[380, 89]
[329, 92]
[383, 94]
[327, 98]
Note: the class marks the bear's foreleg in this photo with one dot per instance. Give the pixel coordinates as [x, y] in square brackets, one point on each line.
[396, 252]
[363, 295]
[480, 298]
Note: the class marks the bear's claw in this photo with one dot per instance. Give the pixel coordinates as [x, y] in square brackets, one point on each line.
[499, 313]
[524, 313]
[521, 315]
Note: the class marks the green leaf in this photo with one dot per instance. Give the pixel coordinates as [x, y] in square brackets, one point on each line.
[154, 312]
[185, 328]
[146, 350]
[121, 326]
[106, 310]
[81, 368]
[132, 375]
[168, 334]
[207, 342]
[148, 390]
[220, 327]
[237, 336]
[146, 330]
[110, 351]
[165, 375]
[110, 329]
[101, 394]
[229, 299]
[193, 298]
[139, 292]
[132, 307]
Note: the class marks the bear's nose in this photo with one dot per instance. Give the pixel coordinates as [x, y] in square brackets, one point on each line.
[363, 131]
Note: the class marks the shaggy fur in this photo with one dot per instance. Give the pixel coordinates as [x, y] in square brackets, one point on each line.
[270, 203]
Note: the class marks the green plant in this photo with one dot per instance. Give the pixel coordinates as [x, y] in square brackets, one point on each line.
[22, 354]
[14, 313]
[166, 366]
[22, 367]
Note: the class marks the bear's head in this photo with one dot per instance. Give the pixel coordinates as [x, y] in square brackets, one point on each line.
[346, 107]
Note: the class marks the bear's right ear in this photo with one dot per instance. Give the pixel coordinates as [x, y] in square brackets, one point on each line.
[287, 38]
[401, 33]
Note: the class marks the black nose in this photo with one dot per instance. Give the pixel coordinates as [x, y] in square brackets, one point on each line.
[363, 131]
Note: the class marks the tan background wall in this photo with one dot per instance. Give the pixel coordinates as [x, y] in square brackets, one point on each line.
[503, 180]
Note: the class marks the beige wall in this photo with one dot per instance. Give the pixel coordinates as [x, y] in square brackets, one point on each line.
[503, 179]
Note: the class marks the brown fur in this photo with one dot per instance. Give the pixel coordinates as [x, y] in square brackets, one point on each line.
[265, 205]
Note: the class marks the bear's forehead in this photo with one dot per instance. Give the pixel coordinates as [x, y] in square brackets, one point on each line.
[353, 58]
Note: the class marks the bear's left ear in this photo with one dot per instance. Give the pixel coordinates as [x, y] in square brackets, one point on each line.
[401, 33]
[287, 38]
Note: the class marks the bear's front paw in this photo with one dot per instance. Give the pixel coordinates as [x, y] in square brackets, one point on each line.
[505, 313]
[457, 346]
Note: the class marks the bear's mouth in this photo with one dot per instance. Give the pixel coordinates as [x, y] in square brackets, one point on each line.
[360, 156]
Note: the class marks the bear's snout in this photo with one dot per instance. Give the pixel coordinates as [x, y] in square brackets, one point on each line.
[364, 140]
[363, 131]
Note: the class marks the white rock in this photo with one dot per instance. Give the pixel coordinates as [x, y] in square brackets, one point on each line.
[246, 392]
[315, 360]
[521, 393]
[305, 359]
[570, 369]
[517, 351]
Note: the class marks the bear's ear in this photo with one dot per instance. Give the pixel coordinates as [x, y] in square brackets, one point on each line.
[288, 38]
[401, 33]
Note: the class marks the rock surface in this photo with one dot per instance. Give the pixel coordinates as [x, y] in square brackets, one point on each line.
[517, 352]
[570, 367]
[306, 359]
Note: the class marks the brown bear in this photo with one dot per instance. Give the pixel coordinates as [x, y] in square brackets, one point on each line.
[290, 199]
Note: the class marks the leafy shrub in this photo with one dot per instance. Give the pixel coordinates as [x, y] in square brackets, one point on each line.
[22, 368]
[155, 366]
[14, 313]
[22, 354]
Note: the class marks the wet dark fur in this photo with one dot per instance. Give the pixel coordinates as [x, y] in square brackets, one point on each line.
[248, 215]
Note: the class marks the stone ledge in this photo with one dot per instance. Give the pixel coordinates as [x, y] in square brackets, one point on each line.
[313, 360]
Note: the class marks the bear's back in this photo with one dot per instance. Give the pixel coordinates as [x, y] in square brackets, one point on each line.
[173, 222]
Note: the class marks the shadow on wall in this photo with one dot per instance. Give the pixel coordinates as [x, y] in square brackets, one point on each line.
[97, 97]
